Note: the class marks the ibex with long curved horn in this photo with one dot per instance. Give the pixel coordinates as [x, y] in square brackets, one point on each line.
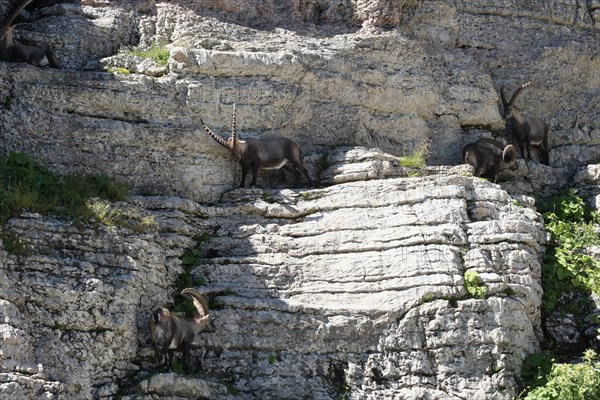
[487, 162]
[255, 154]
[170, 332]
[527, 130]
[9, 51]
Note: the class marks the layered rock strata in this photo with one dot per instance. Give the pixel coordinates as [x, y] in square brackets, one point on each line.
[356, 288]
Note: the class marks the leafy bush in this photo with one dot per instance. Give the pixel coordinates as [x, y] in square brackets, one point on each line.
[536, 367]
[26, 185]
[573, 229]
[579, 381]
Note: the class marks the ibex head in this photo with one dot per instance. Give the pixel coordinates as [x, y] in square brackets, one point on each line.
[171, 333]
[486, 162]
[527, 130]
[509, 105]
[203, 320]
[231, 143]
[509, 158]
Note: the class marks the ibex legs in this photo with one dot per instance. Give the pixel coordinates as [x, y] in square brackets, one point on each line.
[297, 170]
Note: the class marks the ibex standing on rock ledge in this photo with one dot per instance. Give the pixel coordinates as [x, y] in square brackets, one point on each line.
[170, 332]
[255, 154]
[487, 162]
[527, 130]
[38, 56]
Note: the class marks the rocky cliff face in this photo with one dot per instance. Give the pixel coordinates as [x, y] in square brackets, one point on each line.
[356, 287]
[323, 73]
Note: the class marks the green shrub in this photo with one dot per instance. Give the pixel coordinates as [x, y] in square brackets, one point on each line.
[579, 381]
[14, 244]
[536, 367]
[474, 286]
[567, 267]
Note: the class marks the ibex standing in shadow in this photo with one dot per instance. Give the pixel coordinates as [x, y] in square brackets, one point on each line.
[9, 51]
[527, 130]
[170, 332]
[255, 154]
[487, 162]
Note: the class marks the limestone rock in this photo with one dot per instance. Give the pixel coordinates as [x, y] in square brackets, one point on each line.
[314, 292]
[178, 386]
[358, 286]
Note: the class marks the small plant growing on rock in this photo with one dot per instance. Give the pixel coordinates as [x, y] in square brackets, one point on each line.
[474, 286]
[323, 164]
[190, 259]
[119, 70]
[121, 215]
[14, 244]
[417, 159]
[158, 52]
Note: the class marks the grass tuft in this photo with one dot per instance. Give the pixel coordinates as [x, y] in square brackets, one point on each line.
[26, 185]
[418, 159]
[159, 53]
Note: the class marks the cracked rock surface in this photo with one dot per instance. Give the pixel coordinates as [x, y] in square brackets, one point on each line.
[356, 287]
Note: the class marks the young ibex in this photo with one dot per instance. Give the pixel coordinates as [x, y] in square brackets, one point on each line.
[527, 130]
[9, 51]
[170, 332]
[255, 154]
[487, 162]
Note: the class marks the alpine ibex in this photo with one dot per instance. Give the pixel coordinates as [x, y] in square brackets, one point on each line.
[527, 130]
[170, 332]
[255, 154]
[9, 51]
[487, 162]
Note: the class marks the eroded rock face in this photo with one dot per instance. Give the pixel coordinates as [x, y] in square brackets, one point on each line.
[304, 70]
[74, 305]
[356, 287]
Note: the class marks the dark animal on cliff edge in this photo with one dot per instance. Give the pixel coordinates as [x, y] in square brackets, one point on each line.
[487, 162]
[255, 154]
[171, 333]
[526, 130]
[14, 52]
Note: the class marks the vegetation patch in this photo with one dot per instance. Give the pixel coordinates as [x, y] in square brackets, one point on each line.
[119, 70]
[158, 52]
[570, 270]
[547, 381]
[190, 259]
[111, 214]
[26, 185]
[323, 164]
[14, 244]
[473, 285]
[417, 159]
[232, 389]
[313, 195]
[567, 267]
